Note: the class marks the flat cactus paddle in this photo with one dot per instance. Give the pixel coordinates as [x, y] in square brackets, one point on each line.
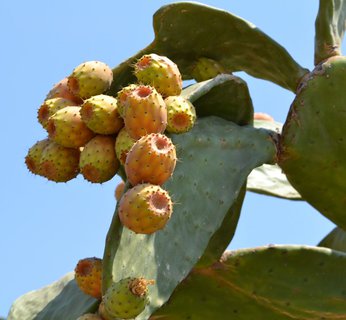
[335, 240]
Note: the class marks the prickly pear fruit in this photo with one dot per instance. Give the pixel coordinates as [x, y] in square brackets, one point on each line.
[61, 90]
[145, 208]
[151, 159]
[89, 316]
[122, 96]
[119, 190]
[98, 161]
[263, 116]
[123, 144]
[58, 163]
[127, 298]
[159, 72]
[206, 68]
[88, 276]
[33, 158]
[103, 312]
[90, 79]
[49, 107]
[100, 114]
[67, 128]
[181, 114]
[145, 112]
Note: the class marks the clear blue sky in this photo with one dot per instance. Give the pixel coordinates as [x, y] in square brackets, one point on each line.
[46, 227]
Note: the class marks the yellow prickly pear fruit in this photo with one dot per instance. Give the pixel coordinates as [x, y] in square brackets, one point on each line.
[119, 190]
[33, 158]
[61, 90]
[123, 144]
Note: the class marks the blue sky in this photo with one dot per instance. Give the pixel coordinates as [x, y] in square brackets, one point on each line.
[47, 227]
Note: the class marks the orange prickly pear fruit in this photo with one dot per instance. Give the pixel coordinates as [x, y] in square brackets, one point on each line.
[61, 90]
[119, 190]
[33, 158]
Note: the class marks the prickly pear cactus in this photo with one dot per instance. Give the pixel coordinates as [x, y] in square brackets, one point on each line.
[186, 217]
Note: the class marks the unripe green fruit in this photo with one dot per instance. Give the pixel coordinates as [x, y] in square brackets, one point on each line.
[33, 158]
[49, 107]
[123, 144]
[61, 90]
[145, 112]
[205, 69]
[127, 298]
[151, 159]
[159, 72]
[66, 128]
[98, 162]
[58, 163]
[145, 208]
[100, 114]
[181, 114]
[90, 78]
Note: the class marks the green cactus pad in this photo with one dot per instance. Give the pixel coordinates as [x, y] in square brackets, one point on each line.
[215, 147]
[313, 144]
[269, 179]
[266, 283]
[60, 300]
[330, 28]
[182, 33]
[335, 240]
[225, 96]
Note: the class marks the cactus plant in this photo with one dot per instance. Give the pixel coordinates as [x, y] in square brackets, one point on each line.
[224, 153]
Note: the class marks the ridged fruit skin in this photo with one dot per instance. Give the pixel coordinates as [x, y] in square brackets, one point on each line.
[61, 90]
[58, 163]
[122, 96]
[90, 79]
[151, 159]
[49, 107]
[145, 208]
[33, 157]
[67, 128]
[159, 72]
[313, 145]
[122, 299]
[181, 114]
[119, 190]
[89, 316]
[123, 144]
[98, 162]
[88, 276]
[100, 114]
[145, 112]
[263, 116]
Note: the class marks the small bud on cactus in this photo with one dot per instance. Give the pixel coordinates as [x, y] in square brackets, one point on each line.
[49, 107]
[98, 162]
[33, 158]
[88, 275]
[61, 90]
[145, 208]
[152, 159]
[145, 112]
[90, 78]
[123, 144]
[67, 128]
[127, 298]
[159, 72]
[119, 190]
[100, 114]
[58, 163]
[181, 114]
[90, 316]
[263, 116]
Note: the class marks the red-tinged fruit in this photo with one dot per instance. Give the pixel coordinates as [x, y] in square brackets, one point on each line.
[127, 298]
[90, 79]
[123, 144]
[263, 116]
[67, 128]
[98, 162]
[159, 72]
[145, 208]
[49, 107]
[33, 158]
[100, 114]
[58, 163]
[151, 159]
[88, 276]
[61, 90]
[181, 114]
[145, 112]
[119, 190]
